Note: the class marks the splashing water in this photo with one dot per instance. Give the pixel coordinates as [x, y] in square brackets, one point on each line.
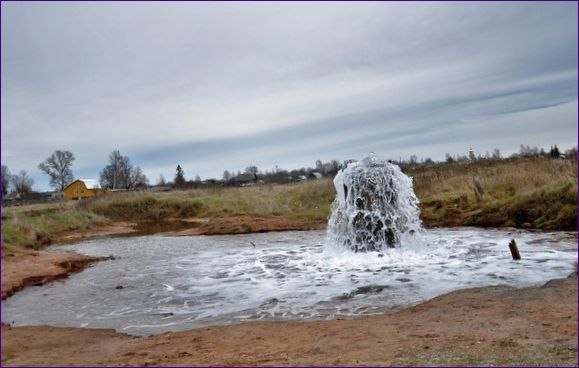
[178, 283]
[375, 207]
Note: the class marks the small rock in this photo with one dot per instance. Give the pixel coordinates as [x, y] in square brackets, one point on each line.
[119, 287]
[526, 225]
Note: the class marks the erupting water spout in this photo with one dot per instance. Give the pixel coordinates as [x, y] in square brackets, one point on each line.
[375, 206]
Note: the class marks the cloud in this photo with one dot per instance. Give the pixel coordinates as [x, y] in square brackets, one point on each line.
[217, 86]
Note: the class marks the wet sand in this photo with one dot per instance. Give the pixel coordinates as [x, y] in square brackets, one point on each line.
[23, 267]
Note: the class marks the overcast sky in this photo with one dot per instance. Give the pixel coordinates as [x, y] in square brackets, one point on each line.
[216, 86]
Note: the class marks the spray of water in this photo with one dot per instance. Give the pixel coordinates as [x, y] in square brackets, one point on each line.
[375, 207]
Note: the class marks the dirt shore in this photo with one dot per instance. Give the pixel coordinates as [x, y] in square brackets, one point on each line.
[245, 225]
[116, 229]
[23, 267]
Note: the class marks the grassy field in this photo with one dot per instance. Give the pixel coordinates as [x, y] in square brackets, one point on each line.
[537, 193]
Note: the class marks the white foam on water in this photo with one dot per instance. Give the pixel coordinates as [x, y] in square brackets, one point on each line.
[177, 283]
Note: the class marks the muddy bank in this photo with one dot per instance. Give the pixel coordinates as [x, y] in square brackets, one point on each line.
[245, 225]
[483, 326]
[22, 267]
[115, 229]
[195, 226]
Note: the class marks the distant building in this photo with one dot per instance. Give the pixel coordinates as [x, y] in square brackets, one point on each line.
[244, 180]
[82, 188]
[315, 175]
[471, 154]
[56, 195]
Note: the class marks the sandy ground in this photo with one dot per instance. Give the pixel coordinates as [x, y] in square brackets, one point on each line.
[22, 267]
[483, 326]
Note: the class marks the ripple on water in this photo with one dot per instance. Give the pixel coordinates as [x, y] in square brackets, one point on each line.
[176, 283]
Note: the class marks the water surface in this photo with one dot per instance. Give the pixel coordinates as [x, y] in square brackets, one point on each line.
[163, 283]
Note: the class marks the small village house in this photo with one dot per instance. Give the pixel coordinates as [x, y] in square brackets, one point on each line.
[82, 188]
[315, 176]
[245, 180]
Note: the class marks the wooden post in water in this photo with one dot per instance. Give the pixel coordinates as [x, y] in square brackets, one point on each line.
[514, 250]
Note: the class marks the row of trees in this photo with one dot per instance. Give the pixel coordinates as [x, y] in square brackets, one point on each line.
[253, 174]
[20, 183]
[57, 166]
[524, 151]
[120, 173]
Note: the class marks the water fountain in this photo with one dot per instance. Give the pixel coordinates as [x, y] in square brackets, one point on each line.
[375, 207]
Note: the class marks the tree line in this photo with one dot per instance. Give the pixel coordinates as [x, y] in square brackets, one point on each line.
[121, 174]
[524, 152]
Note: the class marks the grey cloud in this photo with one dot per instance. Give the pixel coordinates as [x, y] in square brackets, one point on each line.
[218, 86]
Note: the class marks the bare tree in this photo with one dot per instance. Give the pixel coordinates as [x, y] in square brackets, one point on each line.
[251, 170]
[111, 175]
[319, 166]
[137, 179]
[6, 178]
[226, 176]
[161, 181]
[22, 183]
[120, 173]
[58, 168]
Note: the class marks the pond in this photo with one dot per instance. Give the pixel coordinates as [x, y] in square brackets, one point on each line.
[164, 283]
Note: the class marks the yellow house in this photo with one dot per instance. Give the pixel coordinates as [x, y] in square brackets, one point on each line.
[82, 188]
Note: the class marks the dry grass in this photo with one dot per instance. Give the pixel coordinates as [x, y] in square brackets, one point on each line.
[36, 226]
[501, 177]
[308, 200]
[540, 193]
[37, 229]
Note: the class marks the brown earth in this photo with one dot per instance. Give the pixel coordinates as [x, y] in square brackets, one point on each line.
[246, 224]
[195, 226]
[23, 267]
[118, 228]
[483, 326]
